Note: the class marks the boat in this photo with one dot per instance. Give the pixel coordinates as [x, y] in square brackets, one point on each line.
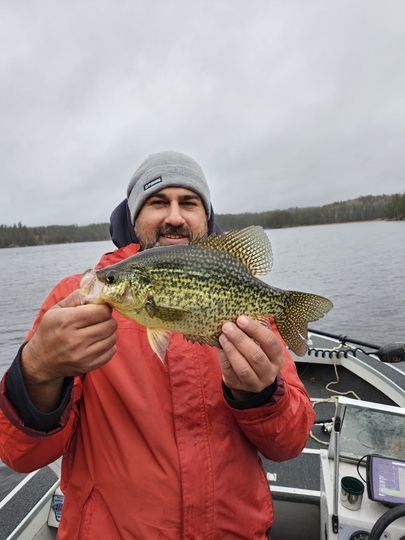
[358, 392]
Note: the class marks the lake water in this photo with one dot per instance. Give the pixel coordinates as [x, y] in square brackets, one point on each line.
[359, 266]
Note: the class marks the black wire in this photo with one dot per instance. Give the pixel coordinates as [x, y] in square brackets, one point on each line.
[358, 467]
[338, 352]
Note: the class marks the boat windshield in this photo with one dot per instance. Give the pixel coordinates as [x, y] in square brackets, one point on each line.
[370, 428]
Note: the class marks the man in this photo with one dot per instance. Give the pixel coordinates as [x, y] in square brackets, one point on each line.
[152, 450]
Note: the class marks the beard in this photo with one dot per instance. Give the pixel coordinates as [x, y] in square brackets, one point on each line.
[151, 240]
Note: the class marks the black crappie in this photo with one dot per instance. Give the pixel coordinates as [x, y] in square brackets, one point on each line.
[195, 288]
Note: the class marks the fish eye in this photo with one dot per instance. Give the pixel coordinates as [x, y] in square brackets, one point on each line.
[110, 276]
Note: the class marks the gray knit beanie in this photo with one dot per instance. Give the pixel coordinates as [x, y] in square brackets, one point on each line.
[162, 170]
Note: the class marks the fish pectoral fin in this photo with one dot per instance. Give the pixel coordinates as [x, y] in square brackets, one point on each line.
[163, 313]
[150, 308]
[159, 341]
[168, 313]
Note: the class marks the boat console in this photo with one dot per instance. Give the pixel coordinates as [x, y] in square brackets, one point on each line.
[368, 447]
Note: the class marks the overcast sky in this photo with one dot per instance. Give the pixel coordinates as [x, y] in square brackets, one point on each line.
[283, 103]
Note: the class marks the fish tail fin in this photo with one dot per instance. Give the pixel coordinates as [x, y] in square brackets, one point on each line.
[300, 309]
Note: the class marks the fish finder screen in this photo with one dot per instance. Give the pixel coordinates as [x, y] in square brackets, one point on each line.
[386, 480]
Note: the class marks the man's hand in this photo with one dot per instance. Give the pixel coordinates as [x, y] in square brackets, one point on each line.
[249, 366]
[71, 339]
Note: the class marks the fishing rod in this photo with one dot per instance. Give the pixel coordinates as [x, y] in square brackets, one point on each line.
[343, 339]
[392, 352]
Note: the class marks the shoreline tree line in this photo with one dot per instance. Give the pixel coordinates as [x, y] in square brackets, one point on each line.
[368, 208]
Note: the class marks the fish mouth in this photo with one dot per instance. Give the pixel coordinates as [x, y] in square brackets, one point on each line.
[91, 288]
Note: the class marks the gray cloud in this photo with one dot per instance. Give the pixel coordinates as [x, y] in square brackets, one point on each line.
[282, 103]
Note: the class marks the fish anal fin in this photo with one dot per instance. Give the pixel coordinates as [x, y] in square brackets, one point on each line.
[159, 341]
[263, 320]
[251, 246]
[212, 341]
[294, 334]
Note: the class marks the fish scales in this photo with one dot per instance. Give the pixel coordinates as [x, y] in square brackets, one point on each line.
[194, 289]
[209, 287]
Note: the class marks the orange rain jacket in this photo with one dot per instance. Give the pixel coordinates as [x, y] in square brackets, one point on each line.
[153, 451]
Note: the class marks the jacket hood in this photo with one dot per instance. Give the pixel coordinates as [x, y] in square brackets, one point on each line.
[122, 232]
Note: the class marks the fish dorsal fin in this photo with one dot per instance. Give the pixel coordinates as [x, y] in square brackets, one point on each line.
[251, 246]
[159, 341]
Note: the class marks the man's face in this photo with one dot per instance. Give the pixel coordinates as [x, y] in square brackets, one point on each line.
[171, 216]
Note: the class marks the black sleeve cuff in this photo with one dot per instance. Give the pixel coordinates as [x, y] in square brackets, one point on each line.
[261, 398]
[19, 398]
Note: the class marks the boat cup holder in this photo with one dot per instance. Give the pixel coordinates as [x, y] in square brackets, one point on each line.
[351, 494]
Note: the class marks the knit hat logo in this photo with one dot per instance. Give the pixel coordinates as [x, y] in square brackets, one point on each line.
[152, 183]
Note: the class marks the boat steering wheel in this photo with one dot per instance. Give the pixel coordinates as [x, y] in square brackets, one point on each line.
[381, 524]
